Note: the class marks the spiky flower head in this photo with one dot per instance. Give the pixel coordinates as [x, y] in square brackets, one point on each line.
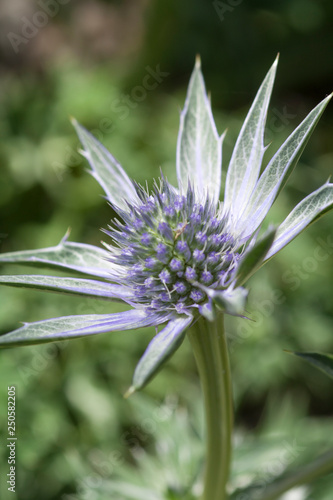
[171, 249]
[177, 253]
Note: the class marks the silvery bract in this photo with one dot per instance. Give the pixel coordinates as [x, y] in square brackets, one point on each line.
[177, 253]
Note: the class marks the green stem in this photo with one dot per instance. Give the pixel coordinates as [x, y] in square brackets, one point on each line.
[210, 349]
[322, 465]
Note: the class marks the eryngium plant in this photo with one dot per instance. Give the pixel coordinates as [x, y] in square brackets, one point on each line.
[178, 256]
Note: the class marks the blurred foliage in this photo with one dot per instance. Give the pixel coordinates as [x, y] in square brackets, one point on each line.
[91, 61]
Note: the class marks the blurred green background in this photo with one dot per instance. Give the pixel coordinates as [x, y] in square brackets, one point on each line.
[121, 68]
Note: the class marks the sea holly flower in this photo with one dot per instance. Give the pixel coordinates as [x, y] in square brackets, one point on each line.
[179, 257]
[177, 254]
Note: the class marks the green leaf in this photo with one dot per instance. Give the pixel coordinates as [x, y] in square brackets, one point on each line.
[246, 159]
[159, 350]
[78, 286]
[323, 362]
[254, 257]
[281, 166]
[199, 147]
[79, 257]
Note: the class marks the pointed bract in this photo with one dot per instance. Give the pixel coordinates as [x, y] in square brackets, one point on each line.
[69, 327]
[78, 257]
[159, 350]
[245, 163]
[91, 288]
[118, 187]
[230, 301]
[307, 211]
[278, 171]
[208, 311]
[199, 147]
